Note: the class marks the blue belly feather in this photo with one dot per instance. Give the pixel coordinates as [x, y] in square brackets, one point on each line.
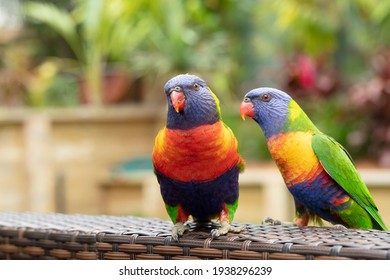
[319, 196]
[201, 199]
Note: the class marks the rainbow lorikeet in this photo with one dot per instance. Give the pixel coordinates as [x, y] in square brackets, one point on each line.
[317, 170]
[195, 158]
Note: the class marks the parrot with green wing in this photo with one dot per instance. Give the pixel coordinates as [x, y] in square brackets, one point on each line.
[317, 170]
[195, 158]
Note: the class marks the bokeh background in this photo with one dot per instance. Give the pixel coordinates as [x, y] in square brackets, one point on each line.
[81, 93]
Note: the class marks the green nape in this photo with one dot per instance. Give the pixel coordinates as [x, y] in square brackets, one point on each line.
[216, 103]
[297, 119]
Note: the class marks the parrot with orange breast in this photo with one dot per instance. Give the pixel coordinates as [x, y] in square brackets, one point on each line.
[195, 158]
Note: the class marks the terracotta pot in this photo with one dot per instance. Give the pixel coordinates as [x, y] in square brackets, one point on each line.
[117, 88]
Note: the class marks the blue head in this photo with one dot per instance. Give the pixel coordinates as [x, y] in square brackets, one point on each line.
[269, 107]
[190, 102]
[275, 111]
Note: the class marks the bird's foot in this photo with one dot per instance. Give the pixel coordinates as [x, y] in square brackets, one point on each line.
[271, 221]
[178, 230]
[274, 222]
[339, 226]
[225, 228]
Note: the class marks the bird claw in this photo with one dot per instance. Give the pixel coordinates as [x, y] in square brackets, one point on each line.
[178, 230]
[225, 228]
[339, 226]
[271, 221]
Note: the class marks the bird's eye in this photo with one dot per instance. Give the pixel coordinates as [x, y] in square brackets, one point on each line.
[266, 97]
[196, 86]
[247, 99]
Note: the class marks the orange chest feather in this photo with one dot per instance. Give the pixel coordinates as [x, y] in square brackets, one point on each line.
[198, 154]
[294, 156]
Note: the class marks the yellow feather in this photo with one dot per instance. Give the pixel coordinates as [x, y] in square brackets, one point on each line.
[294, 156]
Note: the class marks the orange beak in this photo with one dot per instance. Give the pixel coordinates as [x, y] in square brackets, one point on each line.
[246, 109]
[178, 100]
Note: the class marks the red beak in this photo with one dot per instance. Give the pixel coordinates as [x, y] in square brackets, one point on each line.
[246, 109]
[178, 100]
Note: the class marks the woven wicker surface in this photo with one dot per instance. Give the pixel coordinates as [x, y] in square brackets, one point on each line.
[60, 236]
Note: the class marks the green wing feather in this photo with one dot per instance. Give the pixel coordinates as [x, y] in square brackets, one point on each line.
[339, 165]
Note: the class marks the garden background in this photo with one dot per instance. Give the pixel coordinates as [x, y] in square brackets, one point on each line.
[81, 93]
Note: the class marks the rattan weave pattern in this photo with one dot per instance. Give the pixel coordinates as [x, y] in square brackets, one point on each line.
[61, 236]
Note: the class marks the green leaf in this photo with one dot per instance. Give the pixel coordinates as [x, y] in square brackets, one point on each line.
[58, 20]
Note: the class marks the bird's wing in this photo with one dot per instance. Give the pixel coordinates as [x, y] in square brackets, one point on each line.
[339, 165]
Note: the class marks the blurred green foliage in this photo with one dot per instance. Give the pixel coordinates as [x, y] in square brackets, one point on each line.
[237, 44]
[98, 32]
[234, 45]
